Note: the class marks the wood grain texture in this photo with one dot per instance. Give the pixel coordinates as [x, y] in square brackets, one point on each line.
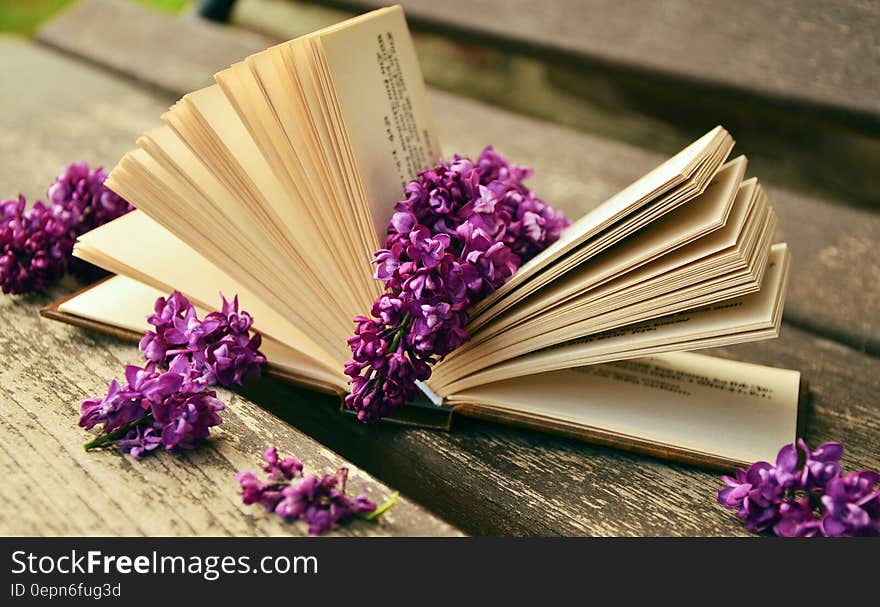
[815, 52]
[57, 109]
[488, 479]
[835, 284]
[128, 47]
[50, 486]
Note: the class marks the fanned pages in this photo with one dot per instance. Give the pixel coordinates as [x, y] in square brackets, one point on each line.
[277, 183]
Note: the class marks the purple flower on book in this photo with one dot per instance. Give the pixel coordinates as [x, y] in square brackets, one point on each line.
[425, 250]
[807, 499]
[462, 231]
[320, 502]
[167, 402]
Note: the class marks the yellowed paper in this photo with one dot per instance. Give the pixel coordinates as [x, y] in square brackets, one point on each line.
[709, 405]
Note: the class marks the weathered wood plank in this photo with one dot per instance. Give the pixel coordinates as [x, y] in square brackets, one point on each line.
[56, 110]
[835, 286]
[818, 53]
[184, 40]
[490, 479]
[50, 486]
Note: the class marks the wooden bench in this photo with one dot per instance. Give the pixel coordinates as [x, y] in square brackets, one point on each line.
[823, 54]
[484, 478]
[795, 81]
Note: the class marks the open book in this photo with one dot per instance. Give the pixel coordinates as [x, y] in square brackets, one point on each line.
[277, 184]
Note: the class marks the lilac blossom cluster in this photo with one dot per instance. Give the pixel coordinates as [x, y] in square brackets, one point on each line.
[320, 502]
[36, 244]
[462, 231]
[167, 402]
[219, 347]
[813, 498]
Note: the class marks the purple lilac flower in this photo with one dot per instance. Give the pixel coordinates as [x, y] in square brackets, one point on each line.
[280, 469]
[462, 231]
[184, 417]
[806, 500]
[36, 245]
[852, 505]
[140, 440]
[154, 344]
[83, 193]
[129, 402]
[168, 408]
[320, 502]
[796, 519]
[220, 347]
[167, 402]
[821, 465]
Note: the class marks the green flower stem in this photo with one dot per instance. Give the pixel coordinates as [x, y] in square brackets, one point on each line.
[372, 516]
[104, 440]
[400, 333]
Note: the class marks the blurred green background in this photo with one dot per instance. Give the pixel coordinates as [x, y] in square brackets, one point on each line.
[24, 16]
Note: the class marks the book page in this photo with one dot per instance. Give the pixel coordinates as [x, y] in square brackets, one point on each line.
[172, 264]
[123, 303]
[747, 318]
[601, 278]
[376, 61]
[654, 290]
[272, 106]
[730, 409]
[208, 124]
[672, 183]
[696, 225]
[614, 304]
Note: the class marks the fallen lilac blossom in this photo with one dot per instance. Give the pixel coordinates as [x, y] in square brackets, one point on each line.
[805, 496]
[168, 403]
[320, 502]
[36, 244]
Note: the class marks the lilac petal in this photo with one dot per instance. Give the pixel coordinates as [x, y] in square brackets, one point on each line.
[175, 336]
[787, 458]
[830, 451]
